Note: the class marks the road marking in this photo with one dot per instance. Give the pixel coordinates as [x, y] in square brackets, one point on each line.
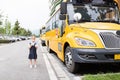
[59, 71]
[51, 73]
[71, 76]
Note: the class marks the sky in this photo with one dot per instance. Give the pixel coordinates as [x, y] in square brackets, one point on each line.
[31, 14]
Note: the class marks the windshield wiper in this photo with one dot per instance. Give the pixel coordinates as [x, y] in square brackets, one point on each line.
[111, 21]
[83, 20]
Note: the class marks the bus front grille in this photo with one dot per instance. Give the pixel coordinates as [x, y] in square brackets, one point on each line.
[110, 40]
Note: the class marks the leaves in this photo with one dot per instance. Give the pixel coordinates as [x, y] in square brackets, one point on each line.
[16, 30]
[7, 27]
[2, 30]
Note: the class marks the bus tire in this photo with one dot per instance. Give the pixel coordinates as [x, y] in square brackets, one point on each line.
[43, 44]
[49, 50]
[70, 64]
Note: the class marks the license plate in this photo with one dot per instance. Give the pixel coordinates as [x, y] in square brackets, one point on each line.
[117, 57]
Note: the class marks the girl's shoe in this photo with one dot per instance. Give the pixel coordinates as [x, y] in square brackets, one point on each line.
[35, 66]
[30, 66]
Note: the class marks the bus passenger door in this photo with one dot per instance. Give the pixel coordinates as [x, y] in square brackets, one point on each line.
[53, 41]
[59, 45]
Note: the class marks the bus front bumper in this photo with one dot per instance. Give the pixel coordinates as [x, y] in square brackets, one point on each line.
[95, 55]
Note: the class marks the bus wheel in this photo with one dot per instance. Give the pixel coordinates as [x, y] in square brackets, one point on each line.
[42, 43]
[49, 50]
[70, 64]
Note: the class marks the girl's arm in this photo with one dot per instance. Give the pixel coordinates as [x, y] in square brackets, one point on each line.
[30, 45]
[36, 45]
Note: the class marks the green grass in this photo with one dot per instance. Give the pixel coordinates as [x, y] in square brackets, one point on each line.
[108, 76]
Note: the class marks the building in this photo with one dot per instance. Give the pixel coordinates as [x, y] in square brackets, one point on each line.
[54, 5]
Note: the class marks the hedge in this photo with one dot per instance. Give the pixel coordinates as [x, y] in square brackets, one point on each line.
[5, 41]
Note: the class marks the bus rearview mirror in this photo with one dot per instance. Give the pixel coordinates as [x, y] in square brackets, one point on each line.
[62, 17]
[63, 8]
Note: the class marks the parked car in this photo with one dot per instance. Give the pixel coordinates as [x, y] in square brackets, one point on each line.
[9, 38]
[1, 37]
[22, 37]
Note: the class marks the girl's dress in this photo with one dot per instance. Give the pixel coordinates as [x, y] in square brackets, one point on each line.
[33, 53]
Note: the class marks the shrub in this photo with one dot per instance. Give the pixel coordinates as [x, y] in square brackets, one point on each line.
[5, 41]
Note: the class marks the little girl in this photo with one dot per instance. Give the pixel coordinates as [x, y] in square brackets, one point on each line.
[33, 52]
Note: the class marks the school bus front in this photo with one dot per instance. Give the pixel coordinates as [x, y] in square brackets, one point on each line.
[86, 32]
[42, 36]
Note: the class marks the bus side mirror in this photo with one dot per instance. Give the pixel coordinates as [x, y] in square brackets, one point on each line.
[62, 16]
[63, 8]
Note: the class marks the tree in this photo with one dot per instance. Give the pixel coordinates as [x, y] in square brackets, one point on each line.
[16, 29]
[23, 32]
[29, 33]
[1, 17]
[7, 27]
[2, 30]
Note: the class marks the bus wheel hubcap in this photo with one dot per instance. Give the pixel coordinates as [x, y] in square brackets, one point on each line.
[68, 59]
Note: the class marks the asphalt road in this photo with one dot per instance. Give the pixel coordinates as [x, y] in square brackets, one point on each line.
[14, 63]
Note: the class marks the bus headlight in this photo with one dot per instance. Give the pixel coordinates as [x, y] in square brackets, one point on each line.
[84, 42]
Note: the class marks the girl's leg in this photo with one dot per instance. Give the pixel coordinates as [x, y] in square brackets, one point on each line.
[35, 62]
[30, 63]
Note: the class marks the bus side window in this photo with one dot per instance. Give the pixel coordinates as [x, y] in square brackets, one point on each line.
[48, 29]
[54, 25]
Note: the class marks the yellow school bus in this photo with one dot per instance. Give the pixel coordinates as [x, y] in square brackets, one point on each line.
[84, 31]
[42, 36]
[118, 2]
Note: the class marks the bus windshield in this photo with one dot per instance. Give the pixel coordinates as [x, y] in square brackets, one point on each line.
[92, 13]
[42, 31]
